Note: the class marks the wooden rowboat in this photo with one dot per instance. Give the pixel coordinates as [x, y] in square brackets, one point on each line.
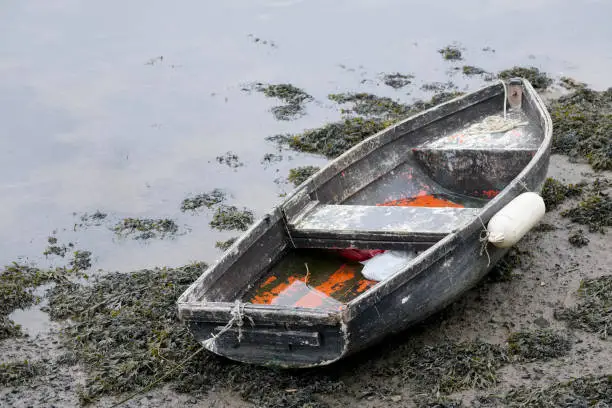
[291, 292]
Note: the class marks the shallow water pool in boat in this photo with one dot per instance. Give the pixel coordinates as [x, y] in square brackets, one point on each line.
[311, 278]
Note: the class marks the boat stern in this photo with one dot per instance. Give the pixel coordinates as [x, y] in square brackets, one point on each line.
[268, 336]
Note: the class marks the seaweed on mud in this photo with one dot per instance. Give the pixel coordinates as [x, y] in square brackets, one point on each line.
[224, 245]
[270, 158]
[19, 373]
[146, 228]
[470, 70]
[538, 79]
[587, 391]
[595, 211]
[571, 83]
[335, 138]
[367, 104]
[440, 403]
[54, 249]
[294, 99]
[583, 126]
[208, 200]
[230, 159]
[578, 239]
[554, 192]
[17, 285]
[593, 312]
[438, 86]
[451, 53]
[230, 217]
[540, 344]
[544, 227]
[81, 261]
[448, 368]
[93, 219]
[126, 334]
[8, 328]
[503, 271]
[299, 175]
[397, 80]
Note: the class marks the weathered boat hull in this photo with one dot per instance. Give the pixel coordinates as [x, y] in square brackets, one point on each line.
[302, 337]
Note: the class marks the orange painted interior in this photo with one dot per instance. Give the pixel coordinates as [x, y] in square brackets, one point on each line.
[421, 200]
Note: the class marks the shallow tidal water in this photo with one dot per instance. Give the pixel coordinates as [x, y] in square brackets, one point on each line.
[124, 107]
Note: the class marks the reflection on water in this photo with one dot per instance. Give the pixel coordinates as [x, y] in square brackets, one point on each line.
[122, 107]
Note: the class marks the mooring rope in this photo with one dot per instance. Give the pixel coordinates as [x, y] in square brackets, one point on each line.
[237, 319]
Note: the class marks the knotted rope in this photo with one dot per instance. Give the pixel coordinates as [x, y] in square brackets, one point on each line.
[237, 319]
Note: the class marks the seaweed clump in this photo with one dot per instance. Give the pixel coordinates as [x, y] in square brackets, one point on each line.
[578, 239]
[595, 211]
[208, 200]
[56, 249]
[451, 53]
[583, 126]
[230, 159]
[587, 391]
[293, 97]
[146, 228]
[449, 368]
[367, 104]
[224, 245]
[503, 271]
[554, 192]
[17, 285]
[230, 217]
[470, 70]
[335, 138]
[299, 175]
[538, 79]
[397, 80]
[17, 373]
[541, 344]
[593, 313]
[126, 334]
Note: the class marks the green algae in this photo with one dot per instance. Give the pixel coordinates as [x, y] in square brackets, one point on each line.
[208, 200]
[451, 53]
[125, 333]
[299, 175]
[81, 261]
[587, 391]
[225, 245]
[293, 97]
[19, 373]
[593, 312]
[554, 192]
[230, 217]
[333, 139]
[448, 368]
[582, 126]
[595, 211]
[538, 79]
[367, 104]
[540, 344]
[578, 239]
[17, 285]
[438, 86]
[397, 80]
[146, 228]
[503, 271]
[470, 70]
[230, 159]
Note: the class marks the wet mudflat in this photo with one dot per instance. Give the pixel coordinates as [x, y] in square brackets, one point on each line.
[136, 151]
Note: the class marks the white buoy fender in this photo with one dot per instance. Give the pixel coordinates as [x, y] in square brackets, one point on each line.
[514, 220]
